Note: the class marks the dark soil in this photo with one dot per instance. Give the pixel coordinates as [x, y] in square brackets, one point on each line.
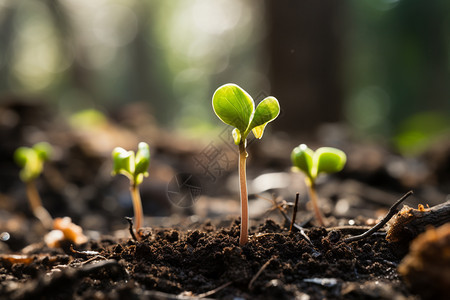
[183, 257]
[274, 264]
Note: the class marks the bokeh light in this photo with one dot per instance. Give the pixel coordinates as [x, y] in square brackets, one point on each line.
[172, 55]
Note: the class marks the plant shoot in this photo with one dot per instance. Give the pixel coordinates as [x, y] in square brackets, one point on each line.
[236, 107]
[134, 166]
[324, 160]
[32, 162]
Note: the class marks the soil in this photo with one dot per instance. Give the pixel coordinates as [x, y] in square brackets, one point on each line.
[274, 264]
[193, 252]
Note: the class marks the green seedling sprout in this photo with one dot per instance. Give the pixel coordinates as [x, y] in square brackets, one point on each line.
[32, 162]
[236, 107]
[135, 168]
[313, 163]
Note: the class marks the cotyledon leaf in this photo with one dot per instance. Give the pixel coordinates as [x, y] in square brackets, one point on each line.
[233, 106]
[302, 158]
[329, 160]
[123, 161]
[265, 112]
[142, 158]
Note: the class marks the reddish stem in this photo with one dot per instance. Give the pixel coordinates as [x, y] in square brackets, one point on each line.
[36, 205]
[244, 197]
[137, 206]
[315, 202]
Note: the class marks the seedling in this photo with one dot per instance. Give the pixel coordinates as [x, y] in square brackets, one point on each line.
[135, 168]
[236, 107]
[313, 163]
[32, 162]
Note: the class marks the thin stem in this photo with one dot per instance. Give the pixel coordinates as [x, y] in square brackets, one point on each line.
[314, 201]
[244, 197]
[296, 226]
[294, 213]
[137, 206]
[36, 205]
[130, 228]
[392, 211]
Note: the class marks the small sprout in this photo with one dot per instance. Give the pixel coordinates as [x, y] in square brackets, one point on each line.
[324, 160]
[32, 162]
[135, 168]
[236, 107]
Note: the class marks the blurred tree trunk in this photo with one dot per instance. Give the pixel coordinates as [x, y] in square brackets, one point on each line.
[305, 43]
[149, 79]
[6, 38]
[80, 78]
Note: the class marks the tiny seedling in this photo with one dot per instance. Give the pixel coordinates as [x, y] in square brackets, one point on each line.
[135, 168]
[32, 162]
[313, 163]
[236, 107]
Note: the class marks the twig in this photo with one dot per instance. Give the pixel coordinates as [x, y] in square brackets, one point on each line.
[298, 227]
[182, 296]
[411, 222]
[259, 273]
[350, 229]
[130, 222]
[294, 213]
[166, 296]
[85, 253]
[207, 294]
[288, 220]
[390, 214]
[275, 204]
[258, 235]
[93, 258]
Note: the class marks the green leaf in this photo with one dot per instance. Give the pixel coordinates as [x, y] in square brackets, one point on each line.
[302, 158]
[233, 106]
[329, 160]
[138, 178]
[265, 112]
[123, 161]
[43, 150]
[21, 155]
[142, 158]
[236, 136]
[131, 165]
[32, 160]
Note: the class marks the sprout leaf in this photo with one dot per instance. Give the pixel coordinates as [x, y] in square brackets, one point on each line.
[323, 160]
[233, 106]
[131, 165]
[123, 161]
[265, 112]
[32, 160]
[142, 160]
[329, 160]
[43, 150]
[302, 158]
[22, 154]
[236, 136]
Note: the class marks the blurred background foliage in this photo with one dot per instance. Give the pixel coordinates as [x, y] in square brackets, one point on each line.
[380, 66]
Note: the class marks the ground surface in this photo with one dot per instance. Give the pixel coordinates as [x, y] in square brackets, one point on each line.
[183, 255]
[273, 265]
